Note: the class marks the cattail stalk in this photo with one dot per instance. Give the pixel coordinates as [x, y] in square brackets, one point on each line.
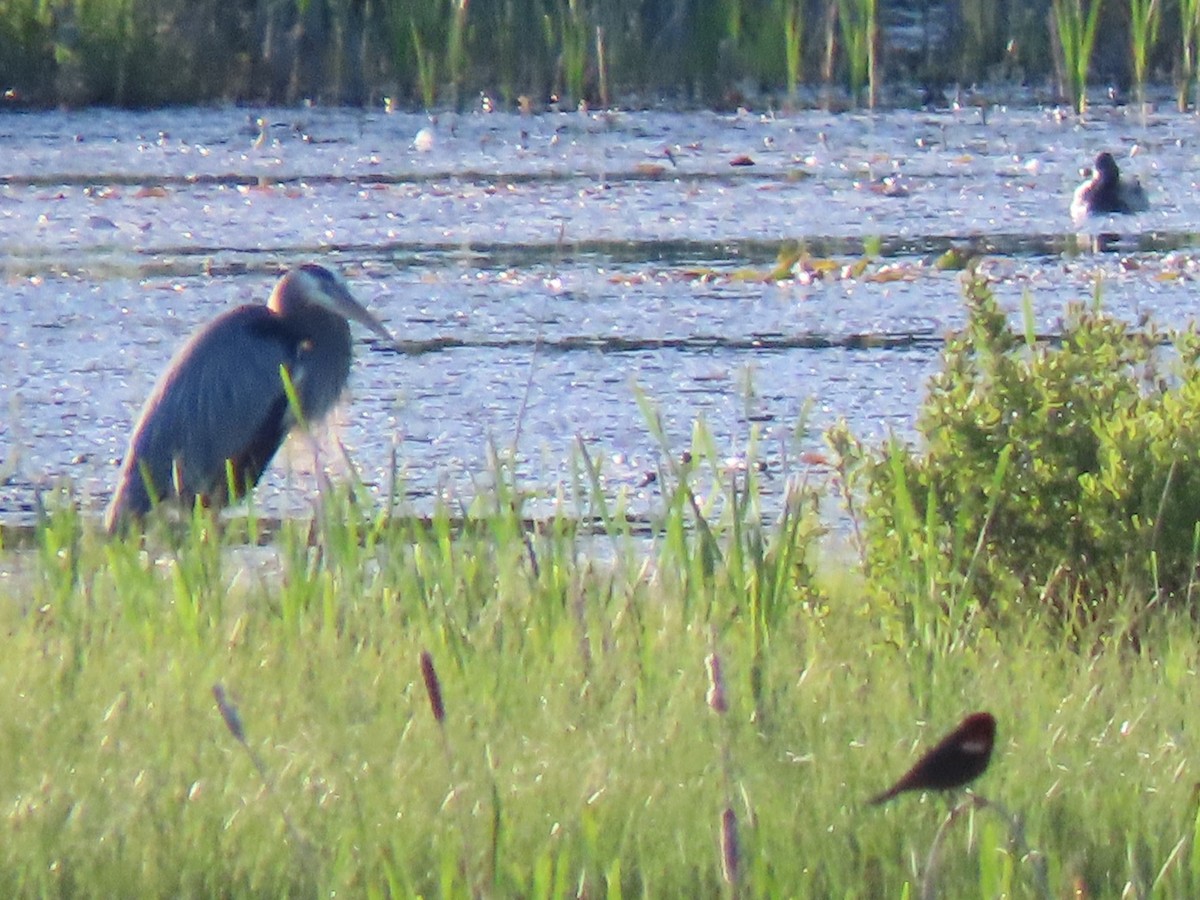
[230, 714]
[717, 699]
[730, 850]
[1016, 837]
[433, 689]
[233, 721]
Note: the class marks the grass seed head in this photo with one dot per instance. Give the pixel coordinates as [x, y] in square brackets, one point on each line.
[716, 684]
[229, 713]
[730, 854]
[432, 687]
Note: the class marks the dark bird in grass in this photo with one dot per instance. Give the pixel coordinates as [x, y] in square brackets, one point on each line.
[959, 758]
[1107, 192]
[220, 410]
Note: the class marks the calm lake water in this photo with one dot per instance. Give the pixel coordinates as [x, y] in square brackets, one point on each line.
[545, 270]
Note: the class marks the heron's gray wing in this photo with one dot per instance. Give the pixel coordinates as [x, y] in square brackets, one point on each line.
[221, 398]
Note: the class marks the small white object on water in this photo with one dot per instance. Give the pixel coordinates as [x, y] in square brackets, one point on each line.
[423, 142]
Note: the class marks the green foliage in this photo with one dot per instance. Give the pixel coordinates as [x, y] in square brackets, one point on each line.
[26, 28]
[441, 53]
[1189, 50]
[1067, 469]
[859, 20]
[1076, 41]
[571, 683]
[573, 39]
[611, 706]
[791, 12]
[1144, 19]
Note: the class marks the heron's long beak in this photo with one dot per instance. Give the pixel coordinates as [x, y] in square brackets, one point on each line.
[342, 302]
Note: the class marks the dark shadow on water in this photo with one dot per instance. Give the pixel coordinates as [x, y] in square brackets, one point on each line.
[734, 252]
[725, 256]
[692, 343]
[21, 532]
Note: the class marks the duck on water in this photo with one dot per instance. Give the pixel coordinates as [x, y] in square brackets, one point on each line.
[1107, 192]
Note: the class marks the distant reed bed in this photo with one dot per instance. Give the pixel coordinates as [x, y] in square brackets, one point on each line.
[446, 53]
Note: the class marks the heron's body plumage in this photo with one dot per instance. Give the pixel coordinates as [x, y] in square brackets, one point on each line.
[221, 409]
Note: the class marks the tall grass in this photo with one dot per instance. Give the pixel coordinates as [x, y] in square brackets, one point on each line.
[982, 27]
[792, 14]
[1144, 19]
[859, 20]
[696, 710]
[1189, 31]
[574, 38]
[432, 54]
[1075, 23]
[456, 49]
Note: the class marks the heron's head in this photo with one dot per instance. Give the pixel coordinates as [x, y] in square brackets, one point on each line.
[313, 285]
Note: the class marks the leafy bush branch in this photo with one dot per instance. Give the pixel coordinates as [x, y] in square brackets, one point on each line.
[1067, 468]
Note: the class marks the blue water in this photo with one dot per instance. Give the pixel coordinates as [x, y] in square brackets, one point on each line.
[545, 270]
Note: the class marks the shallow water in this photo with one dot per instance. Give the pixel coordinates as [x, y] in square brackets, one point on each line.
[542, 270]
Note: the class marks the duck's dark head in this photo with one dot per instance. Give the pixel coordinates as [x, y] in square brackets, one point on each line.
[1106, 168]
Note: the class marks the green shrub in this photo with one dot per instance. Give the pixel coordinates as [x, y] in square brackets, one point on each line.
[1067, 468]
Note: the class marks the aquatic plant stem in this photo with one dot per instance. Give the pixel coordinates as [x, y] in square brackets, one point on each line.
[1189, 35]
[717, 699]
[1076, 39]
[1016, 837]
[456, 50]
[433, 690]
[860, 33]
[1144, 19]
[793, 42]
[233, 723]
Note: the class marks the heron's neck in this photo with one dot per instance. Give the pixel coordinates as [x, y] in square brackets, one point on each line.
[322, 359]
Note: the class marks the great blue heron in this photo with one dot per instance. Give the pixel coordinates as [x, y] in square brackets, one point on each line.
[220, 410]
[1106, 192]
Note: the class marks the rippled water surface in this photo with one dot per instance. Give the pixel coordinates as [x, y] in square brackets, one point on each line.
[541, 271]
